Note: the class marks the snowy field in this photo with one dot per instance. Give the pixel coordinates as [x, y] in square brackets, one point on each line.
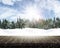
[30, 32]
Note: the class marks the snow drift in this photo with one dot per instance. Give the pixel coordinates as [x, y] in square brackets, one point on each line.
[30, 32]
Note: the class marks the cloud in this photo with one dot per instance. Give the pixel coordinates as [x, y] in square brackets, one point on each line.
[57, 9]
[48, 5]
[48, 8]
[7, 13]
[8, 2]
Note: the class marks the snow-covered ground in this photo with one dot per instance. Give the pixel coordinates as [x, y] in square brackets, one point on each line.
[30, 32]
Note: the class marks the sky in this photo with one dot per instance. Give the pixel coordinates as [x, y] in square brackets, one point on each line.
[29, 9]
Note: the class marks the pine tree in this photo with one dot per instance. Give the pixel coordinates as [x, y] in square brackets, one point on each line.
[0, 24]
[4, 24]
[12, 26]
[57, 22]
[20, 23]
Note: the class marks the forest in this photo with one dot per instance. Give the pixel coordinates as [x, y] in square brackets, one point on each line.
[21, 23]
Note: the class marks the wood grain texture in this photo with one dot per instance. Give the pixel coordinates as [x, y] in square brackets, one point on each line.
[22, 39]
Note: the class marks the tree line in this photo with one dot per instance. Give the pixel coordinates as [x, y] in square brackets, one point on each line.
[21, 23]
[46, 24]
[5, 24]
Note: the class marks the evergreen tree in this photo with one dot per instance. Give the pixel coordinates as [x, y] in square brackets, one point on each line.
[12, 26]
[20, 23]
[57, 23]
[54, 23]
[4, 24]
[0, 24]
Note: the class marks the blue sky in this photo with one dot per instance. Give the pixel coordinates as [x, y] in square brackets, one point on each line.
[29, 9]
